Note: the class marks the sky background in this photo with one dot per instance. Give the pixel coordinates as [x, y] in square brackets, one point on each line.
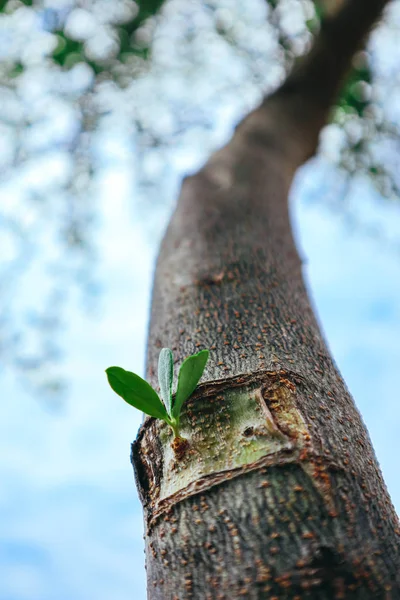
[70, 520]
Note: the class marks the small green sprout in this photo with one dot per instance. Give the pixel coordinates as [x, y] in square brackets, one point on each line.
[138, 393]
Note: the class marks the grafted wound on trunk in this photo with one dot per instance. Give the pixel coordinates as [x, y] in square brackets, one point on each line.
[231, 427]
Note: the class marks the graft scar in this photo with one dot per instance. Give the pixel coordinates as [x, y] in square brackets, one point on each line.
[231, 431]
[281, 399]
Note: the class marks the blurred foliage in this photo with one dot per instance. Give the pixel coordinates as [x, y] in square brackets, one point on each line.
[85, 84]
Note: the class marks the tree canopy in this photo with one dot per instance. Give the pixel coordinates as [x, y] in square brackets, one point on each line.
[86, 86]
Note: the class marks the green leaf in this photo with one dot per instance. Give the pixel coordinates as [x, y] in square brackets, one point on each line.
[189, 375]
[165, 377]
[136, 392]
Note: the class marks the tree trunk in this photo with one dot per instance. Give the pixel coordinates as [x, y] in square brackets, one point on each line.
[279, 494]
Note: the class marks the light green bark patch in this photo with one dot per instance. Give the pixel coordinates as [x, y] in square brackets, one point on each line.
[225, 432]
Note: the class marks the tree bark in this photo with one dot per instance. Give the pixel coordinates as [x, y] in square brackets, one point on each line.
[279, 494]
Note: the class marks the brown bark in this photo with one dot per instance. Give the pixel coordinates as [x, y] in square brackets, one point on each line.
[279, 494]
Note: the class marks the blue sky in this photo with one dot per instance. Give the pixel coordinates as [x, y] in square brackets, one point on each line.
[71, 520]
[71, 523]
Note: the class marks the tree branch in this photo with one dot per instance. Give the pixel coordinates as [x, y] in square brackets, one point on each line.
[320, 74]
[303, 102]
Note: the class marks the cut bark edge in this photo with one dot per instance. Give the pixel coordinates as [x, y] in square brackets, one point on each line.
[265, 422]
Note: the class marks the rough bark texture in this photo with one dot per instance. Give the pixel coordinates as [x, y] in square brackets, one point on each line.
[279, 494]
